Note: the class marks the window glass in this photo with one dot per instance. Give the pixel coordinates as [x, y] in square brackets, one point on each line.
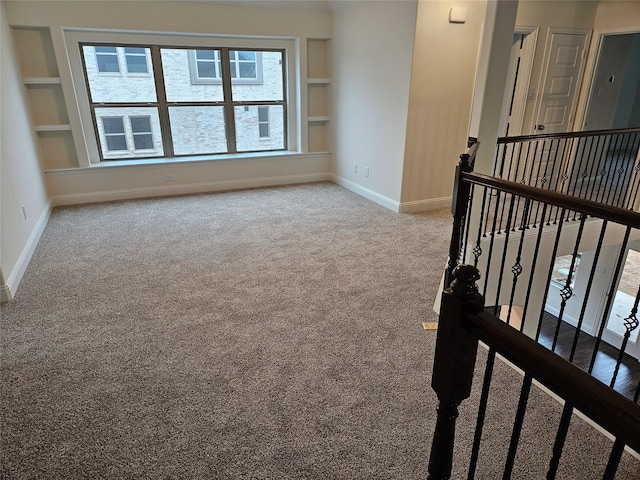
[182, 69]
[107, 60]
[141, 131]
[258, 76]
[251, 124]
[114, 133]
[129, 132]
[136, 60]
[123, 88]
[198, 130]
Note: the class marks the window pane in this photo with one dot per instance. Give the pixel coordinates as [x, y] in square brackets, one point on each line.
[107, 60]
[113, 125]
[182, 75]
[258, 79]
[141, 124]
[123, 88]
[252, 134]
[136, 60]
[198, 130]
[123, 131]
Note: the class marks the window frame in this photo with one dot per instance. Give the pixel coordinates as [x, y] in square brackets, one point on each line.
[266, 122]
[84, 135]
[126, 61]
[162, 105]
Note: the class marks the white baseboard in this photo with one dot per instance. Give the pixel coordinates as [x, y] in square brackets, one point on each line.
[8, 291]
[424, 205]
[185, 189]
[366, 193]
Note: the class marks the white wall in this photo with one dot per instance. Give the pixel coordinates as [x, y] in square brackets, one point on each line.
[372, 47]
[21, 178]
[442, 83]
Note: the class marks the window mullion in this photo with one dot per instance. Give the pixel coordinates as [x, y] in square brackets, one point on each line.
[229, 114]
[161, 97]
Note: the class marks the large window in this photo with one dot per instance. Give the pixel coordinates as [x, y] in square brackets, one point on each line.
[151, 101]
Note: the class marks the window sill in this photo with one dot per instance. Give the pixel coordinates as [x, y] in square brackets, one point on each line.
[177, 161]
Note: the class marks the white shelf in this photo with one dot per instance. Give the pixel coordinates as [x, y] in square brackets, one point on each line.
[318, 81]
[42, 81]
[318, 118]
[52, 128]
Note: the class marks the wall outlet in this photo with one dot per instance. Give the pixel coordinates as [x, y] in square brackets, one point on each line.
[366, 171]
[355, 168]
[169, 177]
[24, 212]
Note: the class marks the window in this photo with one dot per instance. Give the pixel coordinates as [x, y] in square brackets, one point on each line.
[263, 122]
[185, 105]
[107, 59]
[141, 131]
[136, 60]
[205, 66]
[114, 133]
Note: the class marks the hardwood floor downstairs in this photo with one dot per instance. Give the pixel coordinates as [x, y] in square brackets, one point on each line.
[628, 377]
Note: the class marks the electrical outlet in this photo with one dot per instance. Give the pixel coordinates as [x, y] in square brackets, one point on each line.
[366, 171]
[169, 177]
[24, 212]
[355, 168]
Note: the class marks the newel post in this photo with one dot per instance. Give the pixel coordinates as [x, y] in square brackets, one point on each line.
[453, 366]
[460, 199]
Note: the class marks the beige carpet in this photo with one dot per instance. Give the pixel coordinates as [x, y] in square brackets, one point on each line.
[266, 334]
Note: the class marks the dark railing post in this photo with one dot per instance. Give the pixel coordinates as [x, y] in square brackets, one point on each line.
[459, 203]
[453, 366]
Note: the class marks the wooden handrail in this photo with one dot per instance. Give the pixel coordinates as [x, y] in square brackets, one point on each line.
[609, 409]
[561, 200]
[547, 136]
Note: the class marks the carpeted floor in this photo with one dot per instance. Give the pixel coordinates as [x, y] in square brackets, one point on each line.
[264, 334]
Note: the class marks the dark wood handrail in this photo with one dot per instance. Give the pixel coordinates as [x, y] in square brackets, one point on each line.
[561, 200]
[547, 136]
[609, 409]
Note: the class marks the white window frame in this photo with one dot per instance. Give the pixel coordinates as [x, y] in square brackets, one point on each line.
[126, 61]
[108, 135]
[91, 153]
[99, 54]
[134, 133]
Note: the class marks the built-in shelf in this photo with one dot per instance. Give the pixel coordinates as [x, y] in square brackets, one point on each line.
[318, 81]
[318, 118]
[41, 81]
[52, 128]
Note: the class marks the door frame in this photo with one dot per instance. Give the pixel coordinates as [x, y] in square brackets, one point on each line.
[523, 81]
[545, 68]
[593, 56]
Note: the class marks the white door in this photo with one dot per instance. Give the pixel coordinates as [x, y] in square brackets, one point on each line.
[561, 82]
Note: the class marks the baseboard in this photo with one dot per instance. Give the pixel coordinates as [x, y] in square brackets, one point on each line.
[185, 189]
[366, 193]
[5, 294]
[8, 291]
[424, 205]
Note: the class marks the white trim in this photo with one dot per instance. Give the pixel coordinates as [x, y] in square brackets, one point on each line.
[366, 193]
[423, 205]
[9, 290]
[204, 187]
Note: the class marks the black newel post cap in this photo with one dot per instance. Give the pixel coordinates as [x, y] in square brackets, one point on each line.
[464, 283]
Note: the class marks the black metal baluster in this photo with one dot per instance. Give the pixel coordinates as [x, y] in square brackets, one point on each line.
[567, 292]
[517, 426]
[517, 267]
[585, 300]
[598, 168]
[610, 298]
[496, 305]
[482, 412]
[635, 183]
[468, 224]
[546, 290]
[558, 445]
[616, 170]
[630, 324]
[614, 460]
[477, 250]
[533, 269]
[491, 242]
